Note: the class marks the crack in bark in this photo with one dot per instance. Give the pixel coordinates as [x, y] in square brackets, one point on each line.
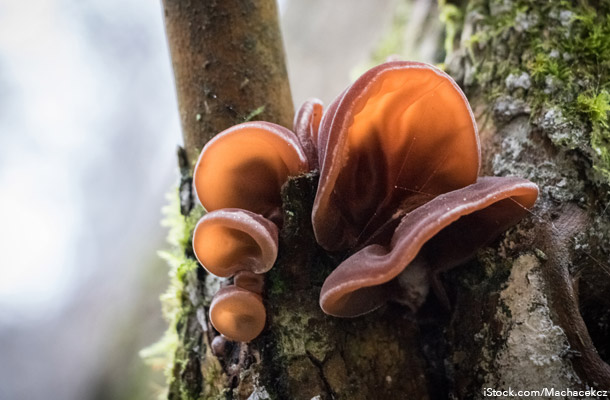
[320, 367]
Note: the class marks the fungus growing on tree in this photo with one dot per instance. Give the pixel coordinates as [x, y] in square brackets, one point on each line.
[238, 313]
[245, 166]
[237, 179]
[398, 136]
[230, 240]
[399, 156]
[434, 237]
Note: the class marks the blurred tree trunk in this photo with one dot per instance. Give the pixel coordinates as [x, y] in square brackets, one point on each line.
[517, 318]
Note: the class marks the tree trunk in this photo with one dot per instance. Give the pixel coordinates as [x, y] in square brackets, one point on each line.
[531, 312]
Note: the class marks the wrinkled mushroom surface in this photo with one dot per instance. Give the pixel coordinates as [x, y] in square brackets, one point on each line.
[442, 233]
[400, 135]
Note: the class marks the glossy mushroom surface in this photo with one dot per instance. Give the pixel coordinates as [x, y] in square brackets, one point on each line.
[245, 167]
[229, 240]
[306, 126]
[400, 135]
[237, 313]
[442, 233]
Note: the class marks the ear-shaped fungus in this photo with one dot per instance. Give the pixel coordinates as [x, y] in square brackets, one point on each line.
[400, 135]
[229, 240]
[442, 233]
[306, 125]
[238, 179]
[238, 313]
[245, 167]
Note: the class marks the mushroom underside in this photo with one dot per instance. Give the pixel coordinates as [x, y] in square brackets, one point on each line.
[226, 241]
[444, 232]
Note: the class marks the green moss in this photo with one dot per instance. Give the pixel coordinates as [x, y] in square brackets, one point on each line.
[596, 106]
[169, 350]
[214, 381]
[452, 17]
[565, 48]
[298, 333]
[254, 113]
[544, 65]
[600, 141]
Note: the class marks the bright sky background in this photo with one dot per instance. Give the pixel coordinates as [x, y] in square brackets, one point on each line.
[72, 85]
[88, 130]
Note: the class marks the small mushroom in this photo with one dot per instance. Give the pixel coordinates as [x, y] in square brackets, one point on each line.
[219, 346]
[245, 166]
[306, 125]
[400, 135]
[229, 240]
[238, 313]
[436, 236]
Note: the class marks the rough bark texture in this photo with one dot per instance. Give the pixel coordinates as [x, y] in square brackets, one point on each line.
[528, 313]
[529, 68]
[229, 65]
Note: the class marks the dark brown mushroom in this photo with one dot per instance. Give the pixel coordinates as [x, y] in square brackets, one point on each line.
[306, 125]
[438, 235]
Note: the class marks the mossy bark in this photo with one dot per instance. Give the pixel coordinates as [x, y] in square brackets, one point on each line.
[515, 319]
[532, 312]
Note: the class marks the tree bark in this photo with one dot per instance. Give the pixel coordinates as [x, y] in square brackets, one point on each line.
[529, 313]
[229, 66]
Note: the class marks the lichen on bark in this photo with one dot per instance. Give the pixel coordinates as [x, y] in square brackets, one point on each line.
[537, 73]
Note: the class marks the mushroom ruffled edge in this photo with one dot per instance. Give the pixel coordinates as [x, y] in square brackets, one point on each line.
[442, 233]
[230, 240]
[401, 134]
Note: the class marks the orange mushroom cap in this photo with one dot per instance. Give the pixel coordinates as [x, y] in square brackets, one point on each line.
[443, 233]
[229, 240]
[237, 313]
[306, 125]
[400, 135]
[246, 165]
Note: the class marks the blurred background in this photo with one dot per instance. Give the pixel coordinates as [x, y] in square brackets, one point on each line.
[88, 132]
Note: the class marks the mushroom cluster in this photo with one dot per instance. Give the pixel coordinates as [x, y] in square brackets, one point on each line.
[237, 179]
[398, 155]
[399, 160]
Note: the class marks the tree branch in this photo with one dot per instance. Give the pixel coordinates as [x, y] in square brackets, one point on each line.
[228, 61]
